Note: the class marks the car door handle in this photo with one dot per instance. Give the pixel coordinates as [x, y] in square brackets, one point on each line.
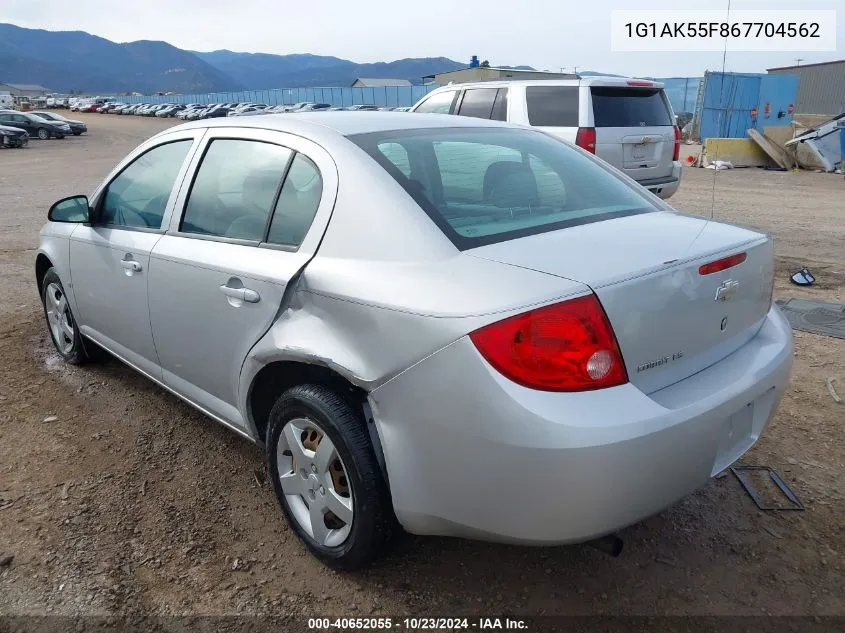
[131, 264]
[242, 294]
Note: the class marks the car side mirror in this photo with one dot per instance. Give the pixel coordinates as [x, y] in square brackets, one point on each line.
[72, 209]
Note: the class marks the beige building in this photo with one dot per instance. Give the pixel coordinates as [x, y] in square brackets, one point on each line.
[480, 73]
[379, 83]
[821, 87]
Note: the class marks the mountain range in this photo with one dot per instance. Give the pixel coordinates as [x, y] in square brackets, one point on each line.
[66, 61]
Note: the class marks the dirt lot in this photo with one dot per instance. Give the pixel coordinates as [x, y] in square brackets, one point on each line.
[132, 501]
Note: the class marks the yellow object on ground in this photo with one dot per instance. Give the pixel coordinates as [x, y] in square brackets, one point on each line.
[741, 152]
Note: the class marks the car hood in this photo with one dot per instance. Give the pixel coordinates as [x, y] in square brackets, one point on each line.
[9, 129]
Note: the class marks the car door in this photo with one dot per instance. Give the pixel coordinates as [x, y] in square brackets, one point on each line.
[21, 122]
[250, 221]
[478, 102]
[110, 258]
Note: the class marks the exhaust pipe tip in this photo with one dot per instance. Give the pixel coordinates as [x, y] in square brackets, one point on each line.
[610, 545]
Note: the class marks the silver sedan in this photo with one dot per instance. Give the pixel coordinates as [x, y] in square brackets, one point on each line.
[454, 325]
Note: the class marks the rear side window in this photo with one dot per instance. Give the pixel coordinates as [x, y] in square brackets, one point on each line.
[626, 107]
[500, 108]
[553, 106]
[441, 103]
[478, 102]
[298, 202]
[398, 156]
[235, 188]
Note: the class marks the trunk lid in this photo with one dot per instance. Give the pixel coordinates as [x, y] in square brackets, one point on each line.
[670, 320]
[634, 130]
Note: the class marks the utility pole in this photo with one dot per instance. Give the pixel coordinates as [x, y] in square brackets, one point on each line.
[798, 61]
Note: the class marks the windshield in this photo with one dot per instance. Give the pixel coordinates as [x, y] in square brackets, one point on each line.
[487, 185]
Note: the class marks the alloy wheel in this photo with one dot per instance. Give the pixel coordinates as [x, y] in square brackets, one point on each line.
[59, 318]
[315, 483]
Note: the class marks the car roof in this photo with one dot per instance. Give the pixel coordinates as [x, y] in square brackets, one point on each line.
[592, 80]
[343, 123]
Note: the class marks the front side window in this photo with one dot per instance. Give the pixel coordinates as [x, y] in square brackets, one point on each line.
[138, 196]
[486, 185]
[235, 188]
[440, 103]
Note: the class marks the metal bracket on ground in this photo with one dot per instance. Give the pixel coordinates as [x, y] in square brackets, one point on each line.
[780, 483]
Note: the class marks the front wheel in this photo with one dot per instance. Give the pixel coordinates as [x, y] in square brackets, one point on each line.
[77, 133]
[327, 478]
[43, 134]
[63, 330]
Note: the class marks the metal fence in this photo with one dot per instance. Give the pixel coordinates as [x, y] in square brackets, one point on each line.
[681, 91]
[391, 96]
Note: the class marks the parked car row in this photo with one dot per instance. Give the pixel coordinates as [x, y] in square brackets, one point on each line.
[196, 111]
[17, 127]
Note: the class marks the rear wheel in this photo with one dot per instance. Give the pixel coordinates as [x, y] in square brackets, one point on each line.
[77, 133]
[327, 478]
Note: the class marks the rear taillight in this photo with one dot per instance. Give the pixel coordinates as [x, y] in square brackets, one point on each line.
[586, 139]
[567, 346]
[722, 264]
[677, 154]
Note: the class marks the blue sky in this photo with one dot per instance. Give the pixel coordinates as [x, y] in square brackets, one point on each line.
[546, 34]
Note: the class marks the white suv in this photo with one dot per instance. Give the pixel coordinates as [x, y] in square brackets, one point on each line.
[627, 122]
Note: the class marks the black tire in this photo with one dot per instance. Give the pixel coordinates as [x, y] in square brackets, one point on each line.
[77, 133]
[43, 133]
[78, 354]
[373, 523]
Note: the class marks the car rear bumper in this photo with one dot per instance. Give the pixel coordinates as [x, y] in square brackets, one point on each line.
[469, 453]
[665, 187]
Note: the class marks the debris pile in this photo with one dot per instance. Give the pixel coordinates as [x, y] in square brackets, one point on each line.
[799, 145]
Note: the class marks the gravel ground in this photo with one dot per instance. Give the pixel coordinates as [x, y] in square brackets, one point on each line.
[130, 501]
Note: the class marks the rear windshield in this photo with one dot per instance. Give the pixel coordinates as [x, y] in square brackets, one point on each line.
[487, 185]
[626, 107]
